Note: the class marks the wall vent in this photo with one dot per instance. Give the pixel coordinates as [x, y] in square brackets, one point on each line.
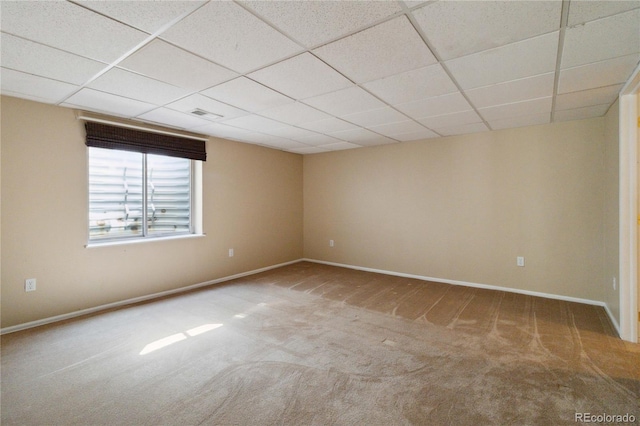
[206, 114]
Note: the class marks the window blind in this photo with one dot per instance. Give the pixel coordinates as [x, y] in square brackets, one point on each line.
[111, 137]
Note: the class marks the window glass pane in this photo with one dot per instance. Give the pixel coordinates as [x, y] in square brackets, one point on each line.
[168, 194]
[115, 193]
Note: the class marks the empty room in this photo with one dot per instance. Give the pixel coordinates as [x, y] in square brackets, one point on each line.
[319, 212]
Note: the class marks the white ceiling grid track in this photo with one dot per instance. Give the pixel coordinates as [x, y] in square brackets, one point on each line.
[318, 76]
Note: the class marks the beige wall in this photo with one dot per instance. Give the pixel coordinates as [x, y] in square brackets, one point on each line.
[612, 210]
[462, 208]
[252, 203]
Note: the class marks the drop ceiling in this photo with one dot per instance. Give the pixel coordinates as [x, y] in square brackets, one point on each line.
[318, 76]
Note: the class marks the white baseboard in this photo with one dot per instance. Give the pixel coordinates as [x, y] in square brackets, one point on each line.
[126, 302]
[477, 285]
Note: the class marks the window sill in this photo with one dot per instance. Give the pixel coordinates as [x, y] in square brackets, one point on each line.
[95, 244]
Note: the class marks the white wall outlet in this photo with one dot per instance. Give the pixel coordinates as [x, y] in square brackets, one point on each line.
[230, 252]
[30, 284]
[331, 243]
[520, 261]
[614, 283]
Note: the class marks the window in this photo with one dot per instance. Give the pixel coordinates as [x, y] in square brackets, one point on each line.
[137, 191]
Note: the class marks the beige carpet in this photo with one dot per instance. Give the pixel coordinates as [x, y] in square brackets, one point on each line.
[310, 344]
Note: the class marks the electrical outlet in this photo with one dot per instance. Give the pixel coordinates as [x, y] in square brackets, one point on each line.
[330, 243]
[230, 252]
[520, 261]
[30, 284]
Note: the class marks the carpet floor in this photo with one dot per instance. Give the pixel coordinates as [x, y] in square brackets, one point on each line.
[310, 344]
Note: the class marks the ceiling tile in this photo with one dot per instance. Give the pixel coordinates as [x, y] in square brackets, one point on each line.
[94, 100]
[459, 28]
[69, 27]
[522, 121]
[386, 49]
[247, 94]
[223, 131]
[15, 83]
[438, 105]
[340, 146]
[462, 129]
[147, 16]
[317, 140]
[598, 74]
[317, 22]
[135, 86]
[34, 58]
[587, 10]
[449, 120]
[415, 136]
[329, 125]
[400, 128]
[347, 101]
[175, 66]
[170, 117]
[512, 91]
[413, 85]
[255, 122]
[599, 96]
[294, 113]
[300, 77]
[581, 113]
[292, 132]
[605, 38]
[375, 117]
[229, 35]
[362, 137]
[310, 150]
[517, 60]
[516, 109]
[194, 101]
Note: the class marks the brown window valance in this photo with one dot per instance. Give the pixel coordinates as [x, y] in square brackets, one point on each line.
[111, 137]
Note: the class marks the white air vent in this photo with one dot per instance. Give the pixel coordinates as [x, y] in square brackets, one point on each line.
[206, 114]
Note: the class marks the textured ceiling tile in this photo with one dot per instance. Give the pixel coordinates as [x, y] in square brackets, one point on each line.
[522, 59]
[401, 128]
[292, 132]
[317, 22]
[329, 125]
[15, 83]
[345, 102]
[247, 94]
[34, 58]
[173, 65]
[362, 137]
[135, 86]
[309, 150]
[598, 74]
[194, 101]
[415, 136]
[223, 131]
[375, 117]
[535, 106]
[230, 36]
[147, 16]
[300, 77]
[317, 140]
[413, 85]
[462, 129]
[94, 100]
[173, 118]
[439, 105]
[584, 98]
[448, 120]
[606, 38]
[522, 121]
[581, 113]
[512, 91]
[587, 10]
[386, 49]
[340, 146]
[294, 113]
[69, 27]
[254, 122]
[459, 28]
